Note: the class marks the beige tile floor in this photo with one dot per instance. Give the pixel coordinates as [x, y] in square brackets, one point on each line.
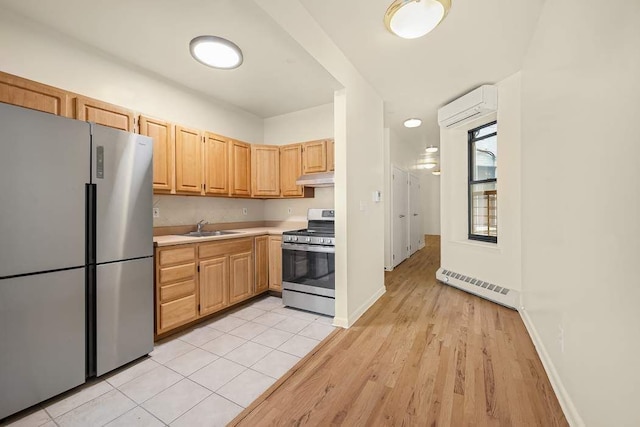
[204, 376]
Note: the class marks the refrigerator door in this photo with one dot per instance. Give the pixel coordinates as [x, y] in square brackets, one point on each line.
[124, 308]
[42, 331]
[44, 166]
[123, 172]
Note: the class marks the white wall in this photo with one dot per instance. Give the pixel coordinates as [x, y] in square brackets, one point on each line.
[188, 210]
[304, 125]
[501, 263]
[581, 205]
[30, 51]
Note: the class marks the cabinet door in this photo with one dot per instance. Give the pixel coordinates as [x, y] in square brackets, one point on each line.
[240, 276]
[104, 114]
[275, 263]
[36, 96]
[290, 169]
[216, 164]
[239, 168]
[188, 160]
[163, 152]
[176, 313]
[265, 170]
[331, 160]
[314, 157]
[214, 285]
[262, 263]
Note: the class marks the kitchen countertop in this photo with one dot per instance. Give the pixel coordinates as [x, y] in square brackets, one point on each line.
[170, 240]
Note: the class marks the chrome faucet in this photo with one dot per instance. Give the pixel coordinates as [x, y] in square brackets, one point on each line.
[201, 224]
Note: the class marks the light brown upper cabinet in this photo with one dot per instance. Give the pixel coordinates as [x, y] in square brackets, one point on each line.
[216, 164]
[163, 152]
[265, 170]
[314, 157]
[290, 169]
[331, 160]
[188, 160]
[36, 96]
[104, 114]
[239, 168]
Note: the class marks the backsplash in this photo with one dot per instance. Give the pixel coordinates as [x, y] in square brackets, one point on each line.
[188, 210]
[278, 209]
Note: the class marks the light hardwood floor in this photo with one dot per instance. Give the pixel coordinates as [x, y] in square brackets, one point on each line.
[425, 354]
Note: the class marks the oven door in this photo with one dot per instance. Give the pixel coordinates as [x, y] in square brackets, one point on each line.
[309, 269]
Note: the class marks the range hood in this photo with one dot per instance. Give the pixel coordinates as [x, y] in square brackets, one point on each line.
[316, 180]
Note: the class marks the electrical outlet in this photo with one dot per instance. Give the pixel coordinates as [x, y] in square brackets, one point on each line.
[156, 212]
[245, 211]
[289, 211]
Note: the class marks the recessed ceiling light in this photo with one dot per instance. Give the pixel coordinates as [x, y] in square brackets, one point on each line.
[216, 52]
[411, 19]
[412, 123]
[431, 149]
[436, 172]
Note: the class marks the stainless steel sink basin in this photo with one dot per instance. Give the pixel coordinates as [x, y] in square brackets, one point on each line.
[209, 233]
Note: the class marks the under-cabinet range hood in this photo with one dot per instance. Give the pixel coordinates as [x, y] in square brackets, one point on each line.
[316, 180]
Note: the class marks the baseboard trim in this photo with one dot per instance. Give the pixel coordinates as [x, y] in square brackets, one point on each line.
[353, 318]
[566, 403]
[341, 322]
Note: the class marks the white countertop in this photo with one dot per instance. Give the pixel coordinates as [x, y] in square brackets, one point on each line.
[170, 240]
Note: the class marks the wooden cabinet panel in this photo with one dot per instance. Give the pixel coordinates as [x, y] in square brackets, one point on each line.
[36, 96]
[314, 157]
[239, 168]
[240, 277]
[180, 254]
[163, 152]
[331, 160]
[214, 285]
[176, 313]
[221, 248]
[178, 272]
[262, 263]
[216, 164]
[104, 114]
[290, 169]
[265, 170]
[275, 263]
[188, 160]
[177, 290]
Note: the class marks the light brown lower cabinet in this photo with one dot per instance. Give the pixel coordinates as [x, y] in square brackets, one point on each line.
[275, 263]
[198, 279]
[262, 263]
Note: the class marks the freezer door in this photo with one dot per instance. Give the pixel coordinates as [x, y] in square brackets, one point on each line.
[42, 336]
[124, 307]
[44, 166]
[123, 173]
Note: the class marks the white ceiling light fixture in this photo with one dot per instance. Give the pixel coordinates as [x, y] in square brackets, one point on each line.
[412, 123]
[216, 52]
[411, 19]
[431, 149]
[436, 172]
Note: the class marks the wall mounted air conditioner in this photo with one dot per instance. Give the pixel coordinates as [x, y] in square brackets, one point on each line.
[477, 103]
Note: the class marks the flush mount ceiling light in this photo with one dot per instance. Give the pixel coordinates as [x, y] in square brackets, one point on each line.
[431, 149]
[412, 123]
[436, 172]
[411, 19]
[216, 52]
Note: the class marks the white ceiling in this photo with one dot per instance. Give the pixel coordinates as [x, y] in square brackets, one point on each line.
[479, 42]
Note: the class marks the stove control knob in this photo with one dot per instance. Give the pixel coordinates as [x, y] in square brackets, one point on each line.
[295, 238]
[308, 239]
[321, 240]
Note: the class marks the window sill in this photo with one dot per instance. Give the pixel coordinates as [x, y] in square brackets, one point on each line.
[493, 247]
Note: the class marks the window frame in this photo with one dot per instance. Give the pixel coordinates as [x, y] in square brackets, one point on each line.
[470, 163]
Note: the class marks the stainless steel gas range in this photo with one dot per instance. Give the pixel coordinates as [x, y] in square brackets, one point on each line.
[308, 264]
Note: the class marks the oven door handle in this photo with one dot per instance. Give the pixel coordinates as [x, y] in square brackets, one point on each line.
[309, 248]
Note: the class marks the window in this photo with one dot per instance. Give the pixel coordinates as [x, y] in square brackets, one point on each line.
[483, 183]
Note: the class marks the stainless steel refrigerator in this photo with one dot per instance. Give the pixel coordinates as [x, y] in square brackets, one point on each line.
[76, 253]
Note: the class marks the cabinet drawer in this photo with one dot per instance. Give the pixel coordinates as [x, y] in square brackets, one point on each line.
[225, 248]
[177, 256]
[177, 290]
[176, 273]
[178, 312]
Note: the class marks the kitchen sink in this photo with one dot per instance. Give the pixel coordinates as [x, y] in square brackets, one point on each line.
[209, 233]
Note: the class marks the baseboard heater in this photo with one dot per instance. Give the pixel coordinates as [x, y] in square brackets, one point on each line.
[498, 294]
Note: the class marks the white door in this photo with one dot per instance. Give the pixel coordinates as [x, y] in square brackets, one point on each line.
[415, 216]
[400, 222]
